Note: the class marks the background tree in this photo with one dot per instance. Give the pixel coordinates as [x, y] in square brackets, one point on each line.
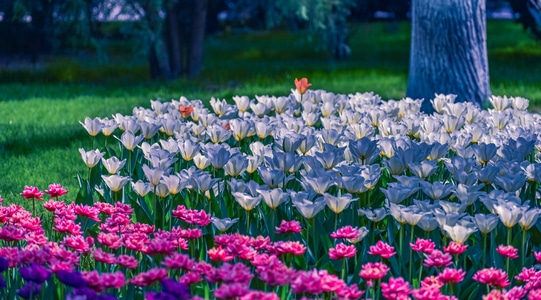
[326, 19]
[448, 51]
[171, 32]
[24, 21]
[529, 15]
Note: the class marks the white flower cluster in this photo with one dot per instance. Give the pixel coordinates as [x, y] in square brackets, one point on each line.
[322, 149]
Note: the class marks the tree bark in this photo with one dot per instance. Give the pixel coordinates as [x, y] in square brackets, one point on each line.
[448, 51]
[153, 64]
[197, 37]
[158, 53]
[174, 39]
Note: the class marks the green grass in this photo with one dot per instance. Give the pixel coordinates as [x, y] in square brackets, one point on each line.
[40, 107]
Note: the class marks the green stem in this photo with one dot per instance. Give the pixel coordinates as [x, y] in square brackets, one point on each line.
[401, 240]
[421, 269]
[464, 267]
[523, 254]
[509, 232]
[272, 221]
[284, 292]
[247, 222]
[84, 225]
[344, 273]
[484, 251]
[207, 291]
[315, 249]
[411, 256]
[376, 296]
[507, 265]
[129, 164]
[335, 221]
[210, 205]
[155, 207]
[355, 264]
[308, 232]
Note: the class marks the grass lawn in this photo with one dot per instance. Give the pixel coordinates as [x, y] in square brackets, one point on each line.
[40, 107]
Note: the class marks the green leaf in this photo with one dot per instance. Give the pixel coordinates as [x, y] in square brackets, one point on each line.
[141, 211]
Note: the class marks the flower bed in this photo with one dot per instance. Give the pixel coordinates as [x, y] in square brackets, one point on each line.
[361, 198]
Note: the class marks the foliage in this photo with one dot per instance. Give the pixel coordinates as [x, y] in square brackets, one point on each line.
[329, 19]
[326, 19]
[529, 12]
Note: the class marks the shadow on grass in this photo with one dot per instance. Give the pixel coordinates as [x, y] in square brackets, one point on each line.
[24, 140]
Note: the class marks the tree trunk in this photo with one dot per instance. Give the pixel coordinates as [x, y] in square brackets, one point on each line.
[339, 37]
[197, 37]
[173, 39]
[163, 58]
[448, 51]
[153, 64]
[158, 56]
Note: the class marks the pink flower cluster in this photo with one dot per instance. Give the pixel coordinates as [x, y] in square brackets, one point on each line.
[55, 190]
[236, 259]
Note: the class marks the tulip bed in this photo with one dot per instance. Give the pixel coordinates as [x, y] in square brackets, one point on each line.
[314, 195]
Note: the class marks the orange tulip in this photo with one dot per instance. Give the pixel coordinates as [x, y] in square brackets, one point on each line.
[185, 110]
[302, 85]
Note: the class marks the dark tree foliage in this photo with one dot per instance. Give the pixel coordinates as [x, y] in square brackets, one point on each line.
[169, 32]
[529, 15]
[26, 28]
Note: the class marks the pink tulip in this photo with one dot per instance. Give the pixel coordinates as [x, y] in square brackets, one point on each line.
[451, 275]
[455, 248]
[149, 277]
[492, 277]
[219, 254]
[31, 192]
[342, 251]
[56, 190]
[423, 246]
[396, 288]
[507, 251]
[346, 232]
[374, 271]
[438, 259]
[289, 227]
[382, 249]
